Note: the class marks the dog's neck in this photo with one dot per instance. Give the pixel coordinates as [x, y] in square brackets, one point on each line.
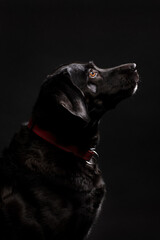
[52, 139]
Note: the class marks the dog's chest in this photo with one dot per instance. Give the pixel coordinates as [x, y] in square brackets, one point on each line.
[74, 202]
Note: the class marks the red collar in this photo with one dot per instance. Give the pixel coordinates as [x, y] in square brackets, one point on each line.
[49, 137]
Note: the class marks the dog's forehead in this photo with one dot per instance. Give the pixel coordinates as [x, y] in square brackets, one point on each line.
[76, 67]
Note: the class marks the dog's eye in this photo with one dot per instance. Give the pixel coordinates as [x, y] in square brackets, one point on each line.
[92, 74]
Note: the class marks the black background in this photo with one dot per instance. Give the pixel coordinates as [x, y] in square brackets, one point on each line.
[37, 36]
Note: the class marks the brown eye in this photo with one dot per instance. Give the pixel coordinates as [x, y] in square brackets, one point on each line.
[92, 74]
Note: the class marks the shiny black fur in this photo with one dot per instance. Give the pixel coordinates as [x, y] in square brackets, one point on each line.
[45, 192]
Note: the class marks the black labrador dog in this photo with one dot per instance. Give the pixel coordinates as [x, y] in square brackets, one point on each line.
[50, 183]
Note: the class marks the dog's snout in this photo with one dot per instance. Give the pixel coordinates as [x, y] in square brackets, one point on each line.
[127, 68]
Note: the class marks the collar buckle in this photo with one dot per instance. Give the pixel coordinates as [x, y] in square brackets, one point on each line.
[94, 157]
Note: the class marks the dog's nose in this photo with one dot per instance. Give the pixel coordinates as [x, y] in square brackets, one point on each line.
[133, 66]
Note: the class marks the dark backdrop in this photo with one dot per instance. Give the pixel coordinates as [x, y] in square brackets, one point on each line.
[37, 36]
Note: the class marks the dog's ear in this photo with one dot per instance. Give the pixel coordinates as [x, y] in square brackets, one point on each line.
[67, 95]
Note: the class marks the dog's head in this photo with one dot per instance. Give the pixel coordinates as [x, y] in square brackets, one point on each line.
[84, 92]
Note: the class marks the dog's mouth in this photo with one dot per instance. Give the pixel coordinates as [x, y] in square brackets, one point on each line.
[136, 80]
[129, 82]
[133, 82]
[135, 89]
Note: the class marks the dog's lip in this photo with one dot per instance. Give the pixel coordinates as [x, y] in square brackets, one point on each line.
[133, 80]
[136, 77]
[135, 89]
